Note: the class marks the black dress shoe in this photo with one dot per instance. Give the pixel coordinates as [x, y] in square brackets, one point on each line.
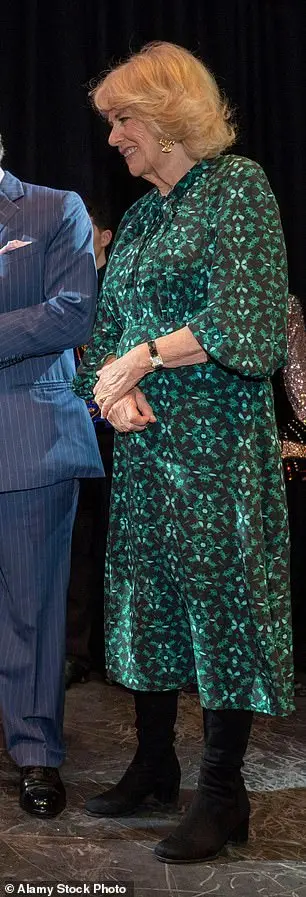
[42, 792]
[75, 671]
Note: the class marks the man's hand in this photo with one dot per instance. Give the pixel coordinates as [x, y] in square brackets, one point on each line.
[131, 413]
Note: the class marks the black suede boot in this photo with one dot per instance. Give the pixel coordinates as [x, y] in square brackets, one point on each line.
[155, 768]
[220, 810]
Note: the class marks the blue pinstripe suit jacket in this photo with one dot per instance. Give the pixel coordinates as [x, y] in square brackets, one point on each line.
[47, 306]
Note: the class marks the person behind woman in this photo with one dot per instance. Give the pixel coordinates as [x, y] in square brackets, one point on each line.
[290, 407]
[191, 327]
[85, 605]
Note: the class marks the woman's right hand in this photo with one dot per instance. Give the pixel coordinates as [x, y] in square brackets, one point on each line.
[131, 413]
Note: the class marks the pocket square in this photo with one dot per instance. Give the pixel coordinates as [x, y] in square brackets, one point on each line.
[14, 244]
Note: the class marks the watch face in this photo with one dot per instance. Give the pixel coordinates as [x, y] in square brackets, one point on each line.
[157, 361]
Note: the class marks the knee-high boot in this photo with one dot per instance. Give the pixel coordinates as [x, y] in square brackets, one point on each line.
[220, 809]
[155, 768]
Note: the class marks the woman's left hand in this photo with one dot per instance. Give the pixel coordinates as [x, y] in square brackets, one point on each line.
[116, 379]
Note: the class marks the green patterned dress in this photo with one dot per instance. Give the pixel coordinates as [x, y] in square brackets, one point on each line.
[197, 578]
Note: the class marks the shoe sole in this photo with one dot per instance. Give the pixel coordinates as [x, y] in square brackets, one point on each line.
[157, 806]
[43, 815]
[212, 856]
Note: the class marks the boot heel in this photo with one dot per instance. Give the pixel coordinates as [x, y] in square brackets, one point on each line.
[167, 794]
[240, 834]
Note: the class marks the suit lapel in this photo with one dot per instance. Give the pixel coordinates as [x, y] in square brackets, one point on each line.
[11, 189]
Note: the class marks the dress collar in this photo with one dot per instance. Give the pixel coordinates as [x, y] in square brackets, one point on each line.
[188, 180]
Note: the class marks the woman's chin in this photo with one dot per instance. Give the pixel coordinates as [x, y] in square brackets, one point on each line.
[134, 165]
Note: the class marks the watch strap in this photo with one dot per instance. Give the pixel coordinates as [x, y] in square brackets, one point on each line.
[156, 359]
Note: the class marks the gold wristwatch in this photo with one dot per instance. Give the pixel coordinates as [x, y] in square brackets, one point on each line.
[155, 358]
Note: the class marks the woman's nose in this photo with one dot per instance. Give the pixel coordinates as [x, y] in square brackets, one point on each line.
[114, 137]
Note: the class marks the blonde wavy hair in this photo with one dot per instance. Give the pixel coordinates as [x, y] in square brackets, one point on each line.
[171, 91]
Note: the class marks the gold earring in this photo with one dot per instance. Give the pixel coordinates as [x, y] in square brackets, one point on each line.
[166, 144]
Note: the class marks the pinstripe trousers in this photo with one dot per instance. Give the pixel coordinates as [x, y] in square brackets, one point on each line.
[35, 541]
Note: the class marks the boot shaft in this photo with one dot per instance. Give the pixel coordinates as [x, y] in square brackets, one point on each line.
[226, 740]
[156, 714]
[227, 734]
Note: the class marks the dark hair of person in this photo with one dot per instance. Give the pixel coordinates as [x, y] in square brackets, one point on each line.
[99, 214]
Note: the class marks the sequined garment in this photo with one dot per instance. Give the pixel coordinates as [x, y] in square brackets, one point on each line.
[293, 434]
[197, 582]
[295, 370]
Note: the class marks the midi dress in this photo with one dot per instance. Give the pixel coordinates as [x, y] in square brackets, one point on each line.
[197, 573]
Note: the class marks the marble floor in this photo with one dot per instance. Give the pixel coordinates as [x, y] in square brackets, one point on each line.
[77, 849]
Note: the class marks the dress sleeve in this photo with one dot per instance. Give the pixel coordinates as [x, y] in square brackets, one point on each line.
[106, 335]
[243, 326]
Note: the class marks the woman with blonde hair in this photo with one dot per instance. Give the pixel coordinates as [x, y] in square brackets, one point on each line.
[190, 327]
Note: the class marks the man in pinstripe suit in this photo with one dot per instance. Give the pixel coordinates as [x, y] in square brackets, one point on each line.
[47, 296]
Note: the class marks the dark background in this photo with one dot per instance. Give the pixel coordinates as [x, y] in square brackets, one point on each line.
[50, 49]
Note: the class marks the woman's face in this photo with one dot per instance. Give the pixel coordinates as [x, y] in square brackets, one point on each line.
[135, 142]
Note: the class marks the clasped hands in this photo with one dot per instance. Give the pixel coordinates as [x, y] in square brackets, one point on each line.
[118, 396]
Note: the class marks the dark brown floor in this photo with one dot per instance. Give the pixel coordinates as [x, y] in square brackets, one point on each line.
[100, 742]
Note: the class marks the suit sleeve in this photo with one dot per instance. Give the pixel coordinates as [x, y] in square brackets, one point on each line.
[65, 317]
[243, 327]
